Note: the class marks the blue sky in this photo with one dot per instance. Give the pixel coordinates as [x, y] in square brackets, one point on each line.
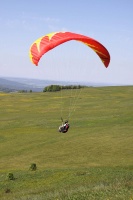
[110, 22]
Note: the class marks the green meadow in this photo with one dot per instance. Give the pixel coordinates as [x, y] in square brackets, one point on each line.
[94, 160]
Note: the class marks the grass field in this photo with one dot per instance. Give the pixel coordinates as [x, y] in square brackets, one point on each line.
[94, 160]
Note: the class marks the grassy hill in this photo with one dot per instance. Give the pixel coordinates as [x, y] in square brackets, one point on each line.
[94, 160]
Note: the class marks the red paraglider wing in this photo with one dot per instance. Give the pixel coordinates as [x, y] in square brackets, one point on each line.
[52, 40]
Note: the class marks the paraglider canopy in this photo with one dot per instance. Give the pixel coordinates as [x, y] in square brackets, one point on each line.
[52, 40]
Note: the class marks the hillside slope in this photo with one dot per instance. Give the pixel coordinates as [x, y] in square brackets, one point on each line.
[92, 161]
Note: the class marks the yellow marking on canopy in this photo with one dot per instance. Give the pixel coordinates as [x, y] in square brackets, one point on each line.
[50, 35]
[94, 48]
[37, 42]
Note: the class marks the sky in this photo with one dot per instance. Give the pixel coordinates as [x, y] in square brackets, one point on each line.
[109, 22]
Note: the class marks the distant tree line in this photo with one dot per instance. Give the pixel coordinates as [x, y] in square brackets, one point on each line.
[54, 88]
[8, 90]
[24, 91]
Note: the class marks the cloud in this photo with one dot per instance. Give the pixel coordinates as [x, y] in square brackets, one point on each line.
[44, 19]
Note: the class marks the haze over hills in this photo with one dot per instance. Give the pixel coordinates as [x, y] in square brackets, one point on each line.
[17, 84]
[11, 84]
